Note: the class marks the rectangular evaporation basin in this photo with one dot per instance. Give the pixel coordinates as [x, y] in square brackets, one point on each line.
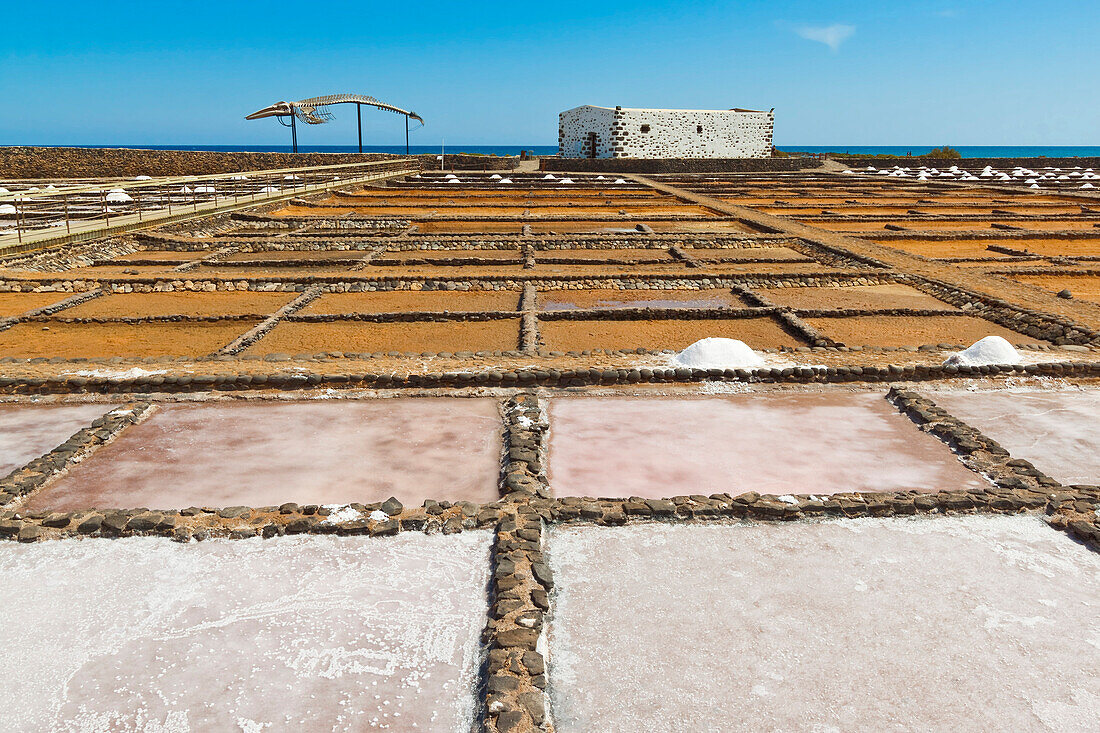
[913, 330]
[292, 633]
[86, 340]
[309, 453]
[1057, 431]
[771, 443]
[556, 300]
[406, 301]
[28, 432]
[941, 623]
[888, 295]
[16, 304]
[759, 333]
[745, 253]
[182, 303]
[1084, 287]
[418, 337]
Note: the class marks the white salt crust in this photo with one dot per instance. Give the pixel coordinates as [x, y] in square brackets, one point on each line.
[974, 623]
[292, 633]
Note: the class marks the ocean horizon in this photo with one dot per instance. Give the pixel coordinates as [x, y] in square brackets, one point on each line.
[967, 151]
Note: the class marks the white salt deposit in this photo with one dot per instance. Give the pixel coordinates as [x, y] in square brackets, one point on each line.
[620, 180]
[143, 178]
[825, 626]
[505, 180]
[118, 196]
[268, 189]
[989, 350]
[450, 175]
[719, 353]
[8, 209]
[340, 513]
[291, 177]
[549, 177]
[566, 180]
[291, 633]
[494, 177]
[204, 189]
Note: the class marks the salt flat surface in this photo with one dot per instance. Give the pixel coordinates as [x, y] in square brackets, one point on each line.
[27, 432]
[1058, 431]
[979, 623]
[307, 452]
[296, 633]
[818, 443]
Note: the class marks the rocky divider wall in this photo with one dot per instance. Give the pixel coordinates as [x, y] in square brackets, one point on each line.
[677, 165]
[46, 162]
[968, 163]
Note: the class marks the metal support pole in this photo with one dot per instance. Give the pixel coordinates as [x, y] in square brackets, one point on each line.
[406, 134]
[106, 213]
[293, 131]
[68, 229]
[359, 120]
[18, 221]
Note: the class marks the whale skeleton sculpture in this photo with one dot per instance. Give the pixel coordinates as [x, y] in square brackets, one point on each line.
[314, 111]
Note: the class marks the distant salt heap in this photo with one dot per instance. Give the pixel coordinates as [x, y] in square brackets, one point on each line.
[118, 196]
[989, 350]
[719, 353]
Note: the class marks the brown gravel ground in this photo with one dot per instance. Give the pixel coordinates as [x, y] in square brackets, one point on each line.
[581, 335]
[415, 301]
[746, 253]
[912, 331]
[419, 337]
[298, 254]
[129, 305]
[161, 256]
[713, 297]
[891, 295]
[1085, 287]
[71, 340]
[14, 304]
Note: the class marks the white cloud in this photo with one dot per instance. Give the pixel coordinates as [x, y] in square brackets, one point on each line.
[831, 35]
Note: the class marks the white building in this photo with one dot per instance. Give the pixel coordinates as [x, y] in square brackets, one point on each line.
[620, 132]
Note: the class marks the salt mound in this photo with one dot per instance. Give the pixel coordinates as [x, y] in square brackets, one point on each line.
[989, 350]
[719, 353]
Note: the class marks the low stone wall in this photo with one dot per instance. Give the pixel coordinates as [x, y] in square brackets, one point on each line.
[998, 163]
[35, 162]
[677, 165]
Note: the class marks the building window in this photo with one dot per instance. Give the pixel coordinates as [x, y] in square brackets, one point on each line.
[699, 129]
[645, 128]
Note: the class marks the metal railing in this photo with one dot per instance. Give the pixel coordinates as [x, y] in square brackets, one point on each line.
[34, 216]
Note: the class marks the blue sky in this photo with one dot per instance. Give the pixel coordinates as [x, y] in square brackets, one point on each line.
[859, 73]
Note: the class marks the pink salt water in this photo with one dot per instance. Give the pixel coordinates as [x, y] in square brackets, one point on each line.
[1057, 431]
[28, 432]
[293, 633]
[819, 443]
[306, 452]
[975, 623]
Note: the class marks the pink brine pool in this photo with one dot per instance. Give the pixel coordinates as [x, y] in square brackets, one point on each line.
[318, 452]
[771, 443]
[27, 432]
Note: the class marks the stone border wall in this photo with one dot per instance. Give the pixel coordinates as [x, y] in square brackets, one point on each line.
[46, 162]
[676, 165]
[998, 163]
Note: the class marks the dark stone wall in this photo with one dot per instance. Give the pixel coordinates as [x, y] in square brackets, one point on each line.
[968, 163]
[38, 162]
[676, 165]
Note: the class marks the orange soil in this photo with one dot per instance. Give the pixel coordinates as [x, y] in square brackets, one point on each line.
[547, 269]
[891, 295]
[948, 248]
[582, 335]
[359, 337]
[123, 305]
[415, 301]
[912, 331]
[745, 253]
[14, 304]
[541, 209]
[447, 254]
[162, 256]
[602, 298]
[1085, 287]
[781, 268]
[298, 254]
[607, 255]
[72, 340]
